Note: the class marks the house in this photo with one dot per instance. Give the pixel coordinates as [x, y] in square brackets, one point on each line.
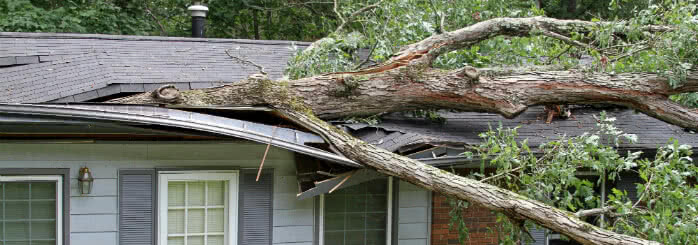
[191, 175]
[441, 144]
[172, 175]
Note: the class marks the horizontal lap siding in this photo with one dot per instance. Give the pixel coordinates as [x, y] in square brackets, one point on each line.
[293, 219]
[95, 217]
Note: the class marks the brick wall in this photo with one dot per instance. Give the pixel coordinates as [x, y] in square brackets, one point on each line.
[477, 219]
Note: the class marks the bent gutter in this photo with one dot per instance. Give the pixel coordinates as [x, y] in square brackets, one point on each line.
[85, 112]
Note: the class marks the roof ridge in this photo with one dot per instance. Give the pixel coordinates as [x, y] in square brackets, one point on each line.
[48, 35]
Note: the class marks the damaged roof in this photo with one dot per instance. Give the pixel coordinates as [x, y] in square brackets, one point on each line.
[402, 133]
[290, 139]
[50, 67]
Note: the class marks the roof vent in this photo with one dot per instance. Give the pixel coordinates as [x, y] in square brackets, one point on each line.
[198, 19]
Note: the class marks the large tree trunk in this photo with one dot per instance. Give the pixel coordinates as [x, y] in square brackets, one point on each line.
[407, 88]
[408, 82]
[515, 206]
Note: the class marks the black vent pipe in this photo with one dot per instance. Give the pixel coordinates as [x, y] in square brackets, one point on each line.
[198, 19]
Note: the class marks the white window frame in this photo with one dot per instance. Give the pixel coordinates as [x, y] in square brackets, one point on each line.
[389, 216]
[231, 206]
[59, 196]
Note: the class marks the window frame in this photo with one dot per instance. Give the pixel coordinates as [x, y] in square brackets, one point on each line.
[389, 216]
[232, 197]
[60, 196]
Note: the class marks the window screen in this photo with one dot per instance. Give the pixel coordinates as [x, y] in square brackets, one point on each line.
[28, 213]
[196, 212]
[357, 215]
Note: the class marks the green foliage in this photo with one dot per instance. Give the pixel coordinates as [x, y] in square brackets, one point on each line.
[668, 208]
[78, 16]
[303, 20]
[431, 115]
[370, 120]
[398, 23]
[456, 221]
[335, 53]
[564, 173]
[686, 99]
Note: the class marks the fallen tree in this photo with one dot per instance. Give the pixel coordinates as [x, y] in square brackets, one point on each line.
[407, 81]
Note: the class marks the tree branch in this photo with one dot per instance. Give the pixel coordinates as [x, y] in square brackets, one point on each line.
[644, 192]
[508, 92]
[406, 82]
[473, 191]
[243, 61]
[629, 54]
[427, 50]
[568, 40]
[438, 16]
[368, 57]
[352, 15]
[162, 28]
[594, 211]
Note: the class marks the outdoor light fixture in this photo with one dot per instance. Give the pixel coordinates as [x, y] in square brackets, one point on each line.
[85, 180]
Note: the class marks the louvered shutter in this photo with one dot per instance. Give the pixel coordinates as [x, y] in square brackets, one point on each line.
[137, 225]
[255, 209]
[538, 235]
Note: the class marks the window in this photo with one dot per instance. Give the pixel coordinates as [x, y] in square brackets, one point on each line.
[198, 208]
[31, 210]
[598, 189]
[359, 214]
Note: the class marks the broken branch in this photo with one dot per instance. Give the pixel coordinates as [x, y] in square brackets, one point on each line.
[261, 165]
[243, 61]
[594, 211]
[341, 182]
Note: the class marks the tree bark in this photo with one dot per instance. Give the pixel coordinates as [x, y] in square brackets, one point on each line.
[506, 92]
[407, 82]
[491, 197]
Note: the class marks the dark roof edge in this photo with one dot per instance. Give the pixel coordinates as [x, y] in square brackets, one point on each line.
[39, 35]
[248, 134]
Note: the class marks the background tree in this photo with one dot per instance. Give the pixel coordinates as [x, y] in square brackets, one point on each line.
[300, 20]
[461, 55]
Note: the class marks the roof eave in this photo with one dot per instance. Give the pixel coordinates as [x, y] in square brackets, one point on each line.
[216, 127]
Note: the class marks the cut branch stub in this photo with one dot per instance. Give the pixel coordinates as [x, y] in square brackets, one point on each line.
[167, 94]
[471, 73]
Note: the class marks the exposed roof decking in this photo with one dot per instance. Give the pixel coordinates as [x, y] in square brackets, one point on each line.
[74, 66]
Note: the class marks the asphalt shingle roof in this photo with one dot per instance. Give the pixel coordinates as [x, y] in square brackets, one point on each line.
[72, 67]
[398, 130]
[44, 67]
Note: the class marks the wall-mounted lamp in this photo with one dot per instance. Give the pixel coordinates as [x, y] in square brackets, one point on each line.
[85, 180]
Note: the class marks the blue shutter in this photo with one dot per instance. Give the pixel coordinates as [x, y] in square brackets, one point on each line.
[255, 208]
[137, 219]
[538, 235]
